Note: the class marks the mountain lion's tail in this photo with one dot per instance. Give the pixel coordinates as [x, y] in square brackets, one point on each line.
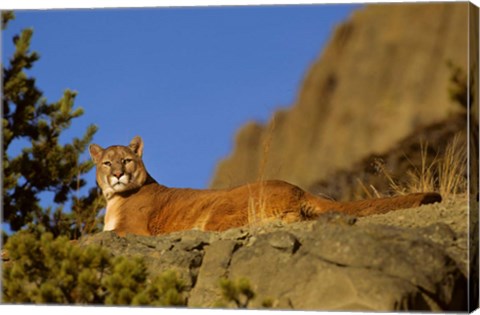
[383, 205]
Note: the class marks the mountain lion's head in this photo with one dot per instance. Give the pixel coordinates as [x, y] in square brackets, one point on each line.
[119, 168]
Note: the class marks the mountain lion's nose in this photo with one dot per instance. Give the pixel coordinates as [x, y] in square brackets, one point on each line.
[118, 174]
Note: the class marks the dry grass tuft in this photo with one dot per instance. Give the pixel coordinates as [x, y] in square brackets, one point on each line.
[256, 207]
[426, 178]
[369, 193]
[445, 174]
[452, 168]
[257, 201]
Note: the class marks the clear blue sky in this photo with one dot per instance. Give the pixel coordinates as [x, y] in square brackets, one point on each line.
[184, 79]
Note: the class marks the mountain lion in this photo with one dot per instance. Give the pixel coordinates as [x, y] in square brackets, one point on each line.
[137, 204]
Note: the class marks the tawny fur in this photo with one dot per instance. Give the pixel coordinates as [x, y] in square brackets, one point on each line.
[137, 204]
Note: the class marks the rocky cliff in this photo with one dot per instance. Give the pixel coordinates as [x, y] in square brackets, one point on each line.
[414, 259]
[382, 75]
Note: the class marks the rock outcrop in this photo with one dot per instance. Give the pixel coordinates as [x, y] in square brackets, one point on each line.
[414, 259]
[382, 75]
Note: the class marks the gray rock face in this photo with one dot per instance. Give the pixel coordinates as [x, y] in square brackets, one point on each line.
[334, 263]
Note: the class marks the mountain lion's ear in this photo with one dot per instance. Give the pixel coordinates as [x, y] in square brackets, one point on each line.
[137, 146]
[95, 152]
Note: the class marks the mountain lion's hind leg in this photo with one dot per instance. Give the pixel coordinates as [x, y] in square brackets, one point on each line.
[312, 206]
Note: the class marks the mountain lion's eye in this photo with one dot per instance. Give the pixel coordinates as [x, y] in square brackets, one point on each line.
[125, 161]
[107, 163]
